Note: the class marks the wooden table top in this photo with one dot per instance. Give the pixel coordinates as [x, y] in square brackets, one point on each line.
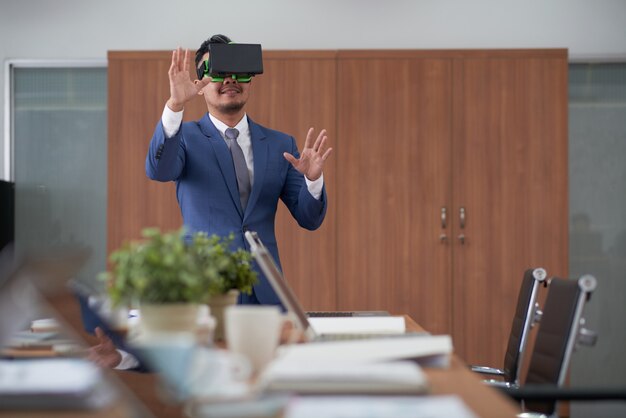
[459, 380]
[455, 380]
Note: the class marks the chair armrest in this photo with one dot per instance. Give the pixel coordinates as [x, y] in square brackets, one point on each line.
[487, 370]
[541, 392]
[504, 386]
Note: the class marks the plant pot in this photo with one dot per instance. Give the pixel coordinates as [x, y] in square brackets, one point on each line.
[168, 317]
[218, 304]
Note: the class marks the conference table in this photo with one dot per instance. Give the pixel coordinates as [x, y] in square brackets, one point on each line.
[140, 394]
[456, 380]
[459, 380]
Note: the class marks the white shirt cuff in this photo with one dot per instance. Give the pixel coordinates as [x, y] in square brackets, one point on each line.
[315, 187]
[128, 361]
[171, 121]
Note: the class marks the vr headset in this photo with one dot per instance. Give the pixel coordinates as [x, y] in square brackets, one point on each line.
[239, 61]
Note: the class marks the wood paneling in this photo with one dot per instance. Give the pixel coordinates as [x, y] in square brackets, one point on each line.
[138, 89]
[296, 92]
[510, 174]
[413, 132]
[394, 178]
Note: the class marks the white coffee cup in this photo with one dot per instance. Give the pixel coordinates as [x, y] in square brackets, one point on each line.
[254, 332]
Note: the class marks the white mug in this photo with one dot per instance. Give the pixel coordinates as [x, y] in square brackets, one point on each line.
[254, 332]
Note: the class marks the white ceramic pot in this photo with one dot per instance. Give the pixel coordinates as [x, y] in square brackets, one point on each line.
[168, 317]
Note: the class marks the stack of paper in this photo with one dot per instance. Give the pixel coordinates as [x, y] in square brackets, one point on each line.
[433, 350]
[53, 383]
[358, 325]
[402, 377]
[378, 407]
[361, 366]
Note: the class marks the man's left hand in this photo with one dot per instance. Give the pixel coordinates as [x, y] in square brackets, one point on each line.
[312, 157]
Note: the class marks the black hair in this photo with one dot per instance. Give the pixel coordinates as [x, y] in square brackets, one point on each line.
[204, 48]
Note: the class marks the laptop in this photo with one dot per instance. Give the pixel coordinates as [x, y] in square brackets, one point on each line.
[289, 300]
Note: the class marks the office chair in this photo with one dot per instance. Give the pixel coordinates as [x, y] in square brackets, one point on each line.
[560, 332]
[527, 314]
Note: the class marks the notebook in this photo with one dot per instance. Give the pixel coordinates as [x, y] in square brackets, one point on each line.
[340, 314]
[398, 377]
[373, 326]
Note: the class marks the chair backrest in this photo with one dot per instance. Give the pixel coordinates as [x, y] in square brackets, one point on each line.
[526, 314]
[557, 335]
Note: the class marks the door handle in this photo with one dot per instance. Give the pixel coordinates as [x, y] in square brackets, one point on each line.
[444, 217]
[462, 217]
[443, 238]
[462, 239]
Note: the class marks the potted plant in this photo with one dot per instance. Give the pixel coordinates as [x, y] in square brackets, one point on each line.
[169, 275]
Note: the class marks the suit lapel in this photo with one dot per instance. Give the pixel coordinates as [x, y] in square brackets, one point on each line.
[259, 152]
[223, 158]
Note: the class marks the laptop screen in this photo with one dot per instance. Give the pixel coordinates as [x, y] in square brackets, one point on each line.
[274, 276]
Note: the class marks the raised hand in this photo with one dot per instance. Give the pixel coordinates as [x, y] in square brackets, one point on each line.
[182, 88]
[312, 157]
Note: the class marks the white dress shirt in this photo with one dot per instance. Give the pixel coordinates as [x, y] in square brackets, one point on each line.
[171, 123]
[128, 361]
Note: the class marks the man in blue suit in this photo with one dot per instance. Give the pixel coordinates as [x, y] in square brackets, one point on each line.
[222, 194]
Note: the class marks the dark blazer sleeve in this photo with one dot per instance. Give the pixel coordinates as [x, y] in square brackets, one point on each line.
[306, 210]
[166, 156]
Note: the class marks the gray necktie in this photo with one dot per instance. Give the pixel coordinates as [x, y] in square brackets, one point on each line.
[241, 169]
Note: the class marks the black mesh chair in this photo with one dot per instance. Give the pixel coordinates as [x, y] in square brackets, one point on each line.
[560, 332]
[527, 314]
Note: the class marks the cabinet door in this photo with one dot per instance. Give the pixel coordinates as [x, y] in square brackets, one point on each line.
[297, 91]
[510, 176]
[394, 136]
[138, 88]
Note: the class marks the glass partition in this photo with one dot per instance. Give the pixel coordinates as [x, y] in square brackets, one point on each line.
[59, 124]
[597, 173]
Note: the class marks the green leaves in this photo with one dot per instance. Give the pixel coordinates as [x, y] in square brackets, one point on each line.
[164, 268]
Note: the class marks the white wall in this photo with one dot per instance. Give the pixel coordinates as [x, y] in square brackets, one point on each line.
[88, 29]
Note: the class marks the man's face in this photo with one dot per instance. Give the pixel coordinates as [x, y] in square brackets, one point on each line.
[227, 97]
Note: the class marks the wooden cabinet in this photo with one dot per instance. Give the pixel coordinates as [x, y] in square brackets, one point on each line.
[394, 177]
[452, 180]
[416, 135]
[296, 91]
[509, 165]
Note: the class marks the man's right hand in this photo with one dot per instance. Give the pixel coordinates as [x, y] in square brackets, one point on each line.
[182, 89]
[104, 354]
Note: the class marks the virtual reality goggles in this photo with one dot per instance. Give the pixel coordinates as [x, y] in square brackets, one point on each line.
[239, 61]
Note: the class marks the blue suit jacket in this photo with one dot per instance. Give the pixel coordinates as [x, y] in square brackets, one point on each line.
[199, 161]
